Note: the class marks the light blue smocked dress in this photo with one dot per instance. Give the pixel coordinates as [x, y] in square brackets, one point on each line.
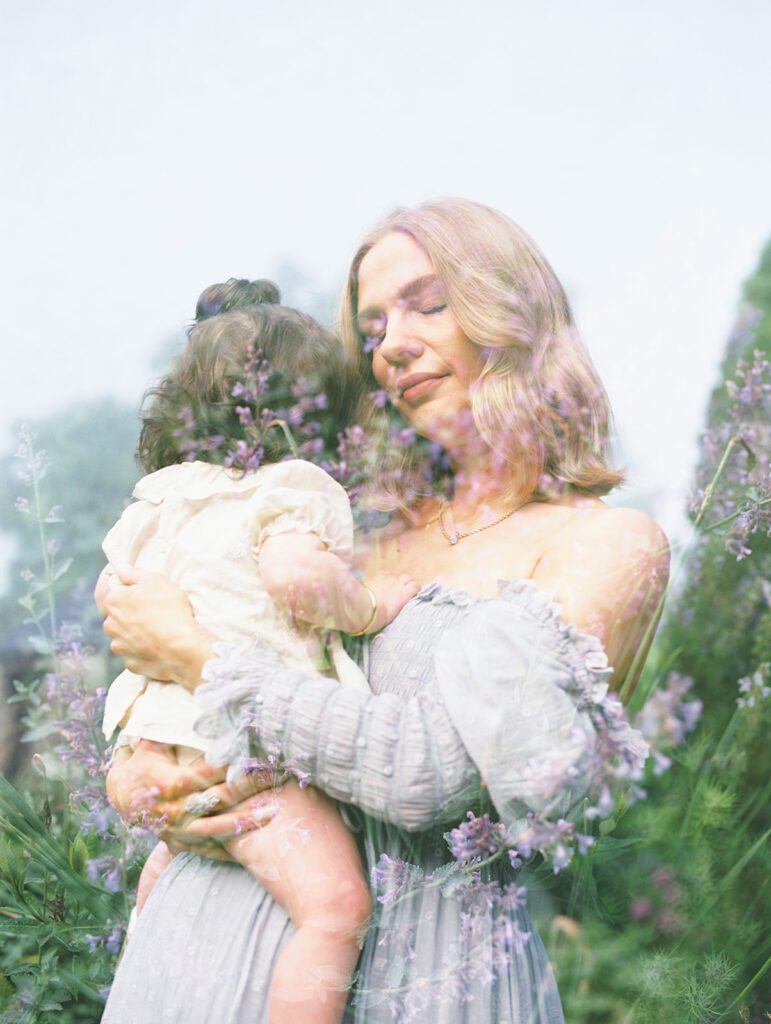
[473, 700]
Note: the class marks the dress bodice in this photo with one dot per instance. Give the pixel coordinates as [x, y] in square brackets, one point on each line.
[400, 659]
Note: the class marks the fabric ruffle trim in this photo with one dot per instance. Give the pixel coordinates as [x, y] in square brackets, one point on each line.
[196, 481]
[589, 670]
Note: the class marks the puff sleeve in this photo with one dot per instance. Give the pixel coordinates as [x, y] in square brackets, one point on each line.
[298, 496]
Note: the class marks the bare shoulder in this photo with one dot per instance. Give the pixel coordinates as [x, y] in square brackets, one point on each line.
[609, 569]
[614, 532]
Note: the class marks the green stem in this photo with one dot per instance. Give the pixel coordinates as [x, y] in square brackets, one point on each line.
[737, 439]
[287, 434]
[43, 546]
[734, 515]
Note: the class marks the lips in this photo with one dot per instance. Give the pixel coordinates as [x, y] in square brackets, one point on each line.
[417, 384]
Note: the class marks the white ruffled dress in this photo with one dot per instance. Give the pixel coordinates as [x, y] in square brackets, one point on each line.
[202, 525]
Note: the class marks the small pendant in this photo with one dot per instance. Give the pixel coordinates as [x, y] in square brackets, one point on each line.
[455, 538]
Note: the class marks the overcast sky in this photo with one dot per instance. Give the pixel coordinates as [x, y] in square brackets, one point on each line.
[151, 148]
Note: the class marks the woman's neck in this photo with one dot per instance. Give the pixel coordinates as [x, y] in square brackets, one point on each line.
[483, 483]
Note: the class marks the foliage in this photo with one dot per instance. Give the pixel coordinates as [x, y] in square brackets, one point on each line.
[89, 472]
[67, 863]
[676, 927]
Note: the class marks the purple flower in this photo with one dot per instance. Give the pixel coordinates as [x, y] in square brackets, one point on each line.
[640, 909]
[108, 870]
[476, 839]
[396, 878]
[604, 806]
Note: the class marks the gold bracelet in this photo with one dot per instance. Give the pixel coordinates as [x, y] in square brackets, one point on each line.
[371, 619]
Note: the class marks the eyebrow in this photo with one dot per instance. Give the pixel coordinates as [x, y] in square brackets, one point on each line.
[407, 291]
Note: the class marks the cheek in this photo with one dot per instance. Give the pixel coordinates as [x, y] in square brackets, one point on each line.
[471, 363]
[379, 368]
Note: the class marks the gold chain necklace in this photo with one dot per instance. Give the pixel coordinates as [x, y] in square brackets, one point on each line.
[458, 535]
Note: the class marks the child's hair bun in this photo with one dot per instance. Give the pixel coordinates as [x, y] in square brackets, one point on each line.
[235, 293]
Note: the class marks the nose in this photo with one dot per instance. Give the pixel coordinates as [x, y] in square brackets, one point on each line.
[399, 344]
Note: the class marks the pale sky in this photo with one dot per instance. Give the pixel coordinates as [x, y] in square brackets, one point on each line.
[152, 148]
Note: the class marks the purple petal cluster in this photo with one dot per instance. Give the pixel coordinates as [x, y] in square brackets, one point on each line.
[734, 476]
[476, 839]
[111, 941]
[393, 879]
[667, 718]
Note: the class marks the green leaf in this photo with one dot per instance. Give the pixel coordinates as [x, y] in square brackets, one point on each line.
[39, 732]
[78, 855]
[62, 568]
[40, 644]
[609, 848]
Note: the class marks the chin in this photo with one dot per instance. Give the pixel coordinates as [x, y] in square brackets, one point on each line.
[445, 426]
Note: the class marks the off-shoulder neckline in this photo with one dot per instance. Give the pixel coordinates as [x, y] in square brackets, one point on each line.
[584, 650]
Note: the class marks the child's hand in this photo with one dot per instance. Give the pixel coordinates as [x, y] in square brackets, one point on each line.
[392, 593]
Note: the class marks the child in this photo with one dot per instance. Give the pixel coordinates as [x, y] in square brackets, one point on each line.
[256, 552]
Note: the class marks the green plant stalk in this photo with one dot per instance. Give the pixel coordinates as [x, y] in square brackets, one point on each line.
[287, 434]
[625, 692]
[734, 515]
[728, 733]
[43, 546]
[759, 800]
[736, 440]
[20, 819]
[747, 988]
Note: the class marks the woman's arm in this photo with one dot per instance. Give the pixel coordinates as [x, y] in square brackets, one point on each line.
[410, 762]
[399, 760]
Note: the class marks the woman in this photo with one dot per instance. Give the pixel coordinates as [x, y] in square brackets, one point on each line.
[475, 682]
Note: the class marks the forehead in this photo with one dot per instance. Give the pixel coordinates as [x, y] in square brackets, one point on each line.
[390, 264]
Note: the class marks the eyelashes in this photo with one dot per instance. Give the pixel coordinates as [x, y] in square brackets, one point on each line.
[371, 339]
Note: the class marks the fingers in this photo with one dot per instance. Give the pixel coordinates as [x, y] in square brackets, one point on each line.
[409, 584]
[220, 794]
[254, 813]
[193, 778]
[175, 841]
[128, 575]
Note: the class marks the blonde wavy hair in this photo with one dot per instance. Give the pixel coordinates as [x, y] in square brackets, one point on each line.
[539, 402]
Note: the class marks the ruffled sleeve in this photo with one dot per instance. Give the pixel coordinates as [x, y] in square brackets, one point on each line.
[510, 689]
[514, 707]
[298, 496]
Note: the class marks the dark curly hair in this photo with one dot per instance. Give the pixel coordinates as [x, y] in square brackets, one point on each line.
[233, 321]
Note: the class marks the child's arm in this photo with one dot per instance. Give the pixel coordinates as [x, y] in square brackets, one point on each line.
[300, 574]
[156, 863]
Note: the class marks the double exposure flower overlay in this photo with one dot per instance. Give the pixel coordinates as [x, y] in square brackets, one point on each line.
[733, 492]
[68, 893]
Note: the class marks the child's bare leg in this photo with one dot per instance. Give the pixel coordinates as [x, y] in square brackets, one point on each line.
[307, 860]
[157, 862]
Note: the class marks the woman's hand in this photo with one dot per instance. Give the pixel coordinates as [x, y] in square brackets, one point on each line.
[149, 783]
[153, 628]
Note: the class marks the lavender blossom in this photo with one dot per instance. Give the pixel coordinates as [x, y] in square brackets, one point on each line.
[393, 879]
[475, 839]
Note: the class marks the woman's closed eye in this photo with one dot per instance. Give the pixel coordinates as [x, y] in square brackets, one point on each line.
[371, 340]
[432, 310]
[372, 331]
